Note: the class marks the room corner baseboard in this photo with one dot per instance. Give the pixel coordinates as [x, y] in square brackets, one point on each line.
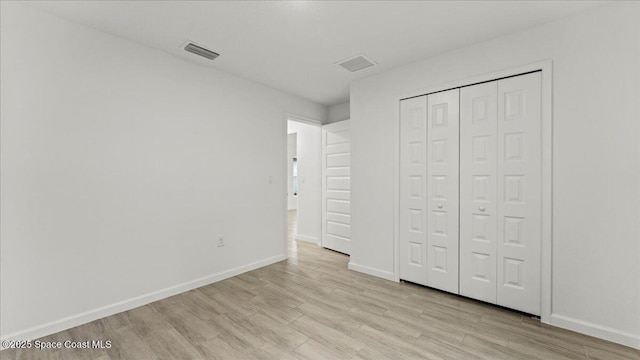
[306, 238]
[371, 271]
[88, 316]
[598, 331]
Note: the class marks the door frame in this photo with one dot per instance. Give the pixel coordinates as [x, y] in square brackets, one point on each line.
[285, 208]
[547, 168]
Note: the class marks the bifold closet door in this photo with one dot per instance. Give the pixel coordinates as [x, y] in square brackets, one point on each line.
[470, 191]
[442, 189]
[478, 172]
[500, 206]
[519, 192]
[413, 190]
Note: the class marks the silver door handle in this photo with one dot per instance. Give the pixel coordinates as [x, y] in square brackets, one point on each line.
[439, 206]
[481, 208]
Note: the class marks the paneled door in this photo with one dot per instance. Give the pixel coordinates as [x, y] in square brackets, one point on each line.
[478, 170]
[336, 186]
[519, 187]
[442, 189]
[413, 190]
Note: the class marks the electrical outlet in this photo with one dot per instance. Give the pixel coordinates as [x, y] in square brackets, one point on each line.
[220, 241]
[270, 180]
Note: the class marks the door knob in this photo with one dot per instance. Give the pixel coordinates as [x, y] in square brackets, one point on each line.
[481, 208]
[439, 206]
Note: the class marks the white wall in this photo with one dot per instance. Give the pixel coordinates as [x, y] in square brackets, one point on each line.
[308, 141]
[338, 112]
[596, 159]
[120, 166]
[292, 144]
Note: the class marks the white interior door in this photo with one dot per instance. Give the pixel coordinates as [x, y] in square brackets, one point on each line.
[336, 186]
[478, 170]
[442, 189]
[519, 200]
[413, 190]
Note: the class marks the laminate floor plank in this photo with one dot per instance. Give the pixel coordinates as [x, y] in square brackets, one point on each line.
[323, 312]
[235, 288]
[382, 345]
[170, 345]
[327, 336]
[385, 324]
[355, 300]
[312, 350]
[190, 326]
[488, 349]
[275, 309]
[445, 349]
[608, 352]
[270, 330]
[270, 351]
[238, 334]
[332, 317]
[544, 350]
[126, 344]
[396, 305]
[228, 303]
[312, 307]
[200, 304]
[275, 294]
[218, 349]
[430, 329]
[145, 321]
[252, 279]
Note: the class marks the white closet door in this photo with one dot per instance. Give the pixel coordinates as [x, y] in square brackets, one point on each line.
[413, 190]
[519, 200]
[442, 184]
[478, 170]
[336, 186]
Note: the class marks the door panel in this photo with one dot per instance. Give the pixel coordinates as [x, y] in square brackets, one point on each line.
[413, 190]
[336, 186]
[519, 201]
[478, 170]
[442, 190]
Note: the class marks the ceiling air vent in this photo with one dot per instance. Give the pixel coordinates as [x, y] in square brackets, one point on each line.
[356, 63]
[200, 51]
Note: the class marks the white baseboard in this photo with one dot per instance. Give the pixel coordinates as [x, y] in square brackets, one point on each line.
[307, 238]
[86, 317]
[371, 271]
[599, 331]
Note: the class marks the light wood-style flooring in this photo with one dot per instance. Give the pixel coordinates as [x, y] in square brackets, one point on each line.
[312, 307]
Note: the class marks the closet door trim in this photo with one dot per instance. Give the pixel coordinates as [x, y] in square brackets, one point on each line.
[546, 145]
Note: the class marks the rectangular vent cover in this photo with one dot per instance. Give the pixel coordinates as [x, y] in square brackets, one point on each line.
[356, 63]
[200, 51]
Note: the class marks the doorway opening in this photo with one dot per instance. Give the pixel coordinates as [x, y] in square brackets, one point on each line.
[318, 187]
[303, 183]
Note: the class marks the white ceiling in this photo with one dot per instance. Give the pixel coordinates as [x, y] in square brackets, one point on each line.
[293, 45]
